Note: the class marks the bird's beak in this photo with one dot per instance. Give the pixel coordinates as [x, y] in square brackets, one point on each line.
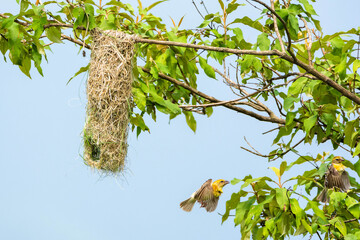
[226, 182]
[342, 159]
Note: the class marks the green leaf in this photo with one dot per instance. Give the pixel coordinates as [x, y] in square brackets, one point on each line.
[238, 34]
[154, 97]
[355, 210]
[155, 4]
[241, 210]
[319, 213]
[337, 197]
[235, 181]
[353, 206]
[209, 111]
[293, 26]
[36, 56]
[53, 34]
[300, 160]
[139, 122]
[297, 210]
[251, 23]
[357, 167]
[357, 150]
[348, 132]
[263, 42]
[306, 226]
[270, 224]
[297, 87]
[308, 7]
[139, 98]
[3, 45]
[352, 237]
[221, 4]
[341, 68]
[89, 10]
[167, 104]
[25, 66]
[282, 198]
[81, 70]
[337, 42]
[209, 71]
[289, 103]
[283, 167]
[190, 120]
[290, 116]
[24, 5]
[276, 171]
[232, 7]
[310, 122]
[232, 203]
[356, 65]
[339, 224]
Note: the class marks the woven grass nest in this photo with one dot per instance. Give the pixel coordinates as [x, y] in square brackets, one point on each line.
[109, 100]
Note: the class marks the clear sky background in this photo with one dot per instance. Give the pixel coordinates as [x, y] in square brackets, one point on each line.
[49, 193]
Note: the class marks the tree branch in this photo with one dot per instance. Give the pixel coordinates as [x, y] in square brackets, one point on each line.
[257, 153]
[257, 102]
[283, 55]
[324, 78]
[210, 48]
[76, 41]
[214, 100]
[285, 27]
[346, 221]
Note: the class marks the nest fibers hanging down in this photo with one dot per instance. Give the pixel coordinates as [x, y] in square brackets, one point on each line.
[109, 100]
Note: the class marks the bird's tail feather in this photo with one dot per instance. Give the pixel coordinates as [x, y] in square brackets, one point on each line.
[323, 196]
[188, 204]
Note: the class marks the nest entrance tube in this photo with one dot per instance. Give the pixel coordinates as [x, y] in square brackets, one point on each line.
[109, 100]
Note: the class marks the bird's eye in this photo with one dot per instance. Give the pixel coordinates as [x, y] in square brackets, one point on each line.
[221, 181]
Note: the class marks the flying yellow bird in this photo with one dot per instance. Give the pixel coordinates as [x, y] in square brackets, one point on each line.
[335, 177]
[207, 195]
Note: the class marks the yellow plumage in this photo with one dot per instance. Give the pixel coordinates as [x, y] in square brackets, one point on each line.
[336, 177]
[207, 195]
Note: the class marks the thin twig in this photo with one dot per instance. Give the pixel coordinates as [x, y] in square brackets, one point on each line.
[318, 234]
[308, 44]
[81, 43]
[197, 9]
[212, 99]
[271, 130]
[346, 221]
[271, 155]
[291, 148]
[285, 27]
[253, 5]
[276, 27]
[271, 114]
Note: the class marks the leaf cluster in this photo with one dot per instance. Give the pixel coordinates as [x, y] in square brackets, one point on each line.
[267, 208]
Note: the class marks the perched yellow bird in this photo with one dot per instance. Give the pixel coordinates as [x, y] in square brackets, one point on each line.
[335, 177]
[207, 195]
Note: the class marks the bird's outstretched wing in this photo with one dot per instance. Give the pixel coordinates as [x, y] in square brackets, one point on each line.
[205, 196]
[205, 192]
[211, 205]
[345, 180]
[336, 179]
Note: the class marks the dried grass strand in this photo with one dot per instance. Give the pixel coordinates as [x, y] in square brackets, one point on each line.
[109, 89]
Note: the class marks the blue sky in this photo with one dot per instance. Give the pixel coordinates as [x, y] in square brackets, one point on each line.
[47, 191]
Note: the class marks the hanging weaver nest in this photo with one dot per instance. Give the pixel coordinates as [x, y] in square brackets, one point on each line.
[109, 100]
